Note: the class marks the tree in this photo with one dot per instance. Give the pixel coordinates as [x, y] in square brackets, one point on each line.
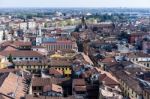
[10, 58]
[45, 25]
[123, 35]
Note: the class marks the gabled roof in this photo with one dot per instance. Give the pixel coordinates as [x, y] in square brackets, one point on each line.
[16, 43]
[108, 59]
[138, 54]
[53, 87]
[79, 82]
[60, 63]
[107, 80]
[53, 71]
[21, 53]
[13, 86]
[10, 48]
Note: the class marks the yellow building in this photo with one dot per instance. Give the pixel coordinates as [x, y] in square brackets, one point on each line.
[33, 66]
[56, 55]
[129, 85]
[64, 65]
[146, 93]
[3, 62]
[62, 56]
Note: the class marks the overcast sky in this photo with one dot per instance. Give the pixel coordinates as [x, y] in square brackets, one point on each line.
[76, 3]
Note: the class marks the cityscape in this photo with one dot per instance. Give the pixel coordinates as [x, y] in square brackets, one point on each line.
[74, 52]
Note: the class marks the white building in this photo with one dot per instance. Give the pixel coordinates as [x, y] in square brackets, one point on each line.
[19, 55]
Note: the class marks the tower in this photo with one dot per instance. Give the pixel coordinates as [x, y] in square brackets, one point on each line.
[39, 35]
[4, 35]
[38, 31]
[27, 25]
[84, 26]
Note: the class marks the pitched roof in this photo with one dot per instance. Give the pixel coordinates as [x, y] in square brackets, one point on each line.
[38, 81]
[60, 63]
[37, 47]
[79, 82]
[13, 86]
[80, 88]
[41, 81]
[59, 42]
[16, 43]
[47, 97]
[130, 81]
[108, 59]
[56, 72]
[138, 54]
[10, 48]
[53, 87]
[21, 53]
[107, 80]
[31, 63]
[8, 70]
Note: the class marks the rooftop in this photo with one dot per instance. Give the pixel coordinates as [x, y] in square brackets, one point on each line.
[13, 86]
[21, 53]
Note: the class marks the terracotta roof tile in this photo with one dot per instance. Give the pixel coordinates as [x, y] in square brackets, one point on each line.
[16, 43]
[53, 71]
[53, 87]
[79, 82]
[10, 48]
[20, 53]
[13, 85]
[80, 88]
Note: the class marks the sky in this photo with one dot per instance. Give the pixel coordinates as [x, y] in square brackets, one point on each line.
[75, 3]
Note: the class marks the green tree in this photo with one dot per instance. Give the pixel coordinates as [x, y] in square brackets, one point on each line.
[10, 58]
[123, 35]
[45, 25]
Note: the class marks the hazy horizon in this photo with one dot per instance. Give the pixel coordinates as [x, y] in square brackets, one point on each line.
[74, 4]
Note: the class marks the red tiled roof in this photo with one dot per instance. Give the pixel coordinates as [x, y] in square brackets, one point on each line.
[59, 42]
[54, 63]
[107, 80]
[109, 60]
[38, 47]
[8, 70]
[56, 72]
[53, 87]
[47, 97]
[79, 82]
[16, 43]
[13, 84]
[10, 48]
[37, 81]
[20, 53]
[80, 88]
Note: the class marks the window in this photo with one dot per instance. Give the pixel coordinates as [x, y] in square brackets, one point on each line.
[36, 58]
[34, 88]
[20, 58]
[31, 58]
[136, 59]
[147, 64]
[39, 88]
